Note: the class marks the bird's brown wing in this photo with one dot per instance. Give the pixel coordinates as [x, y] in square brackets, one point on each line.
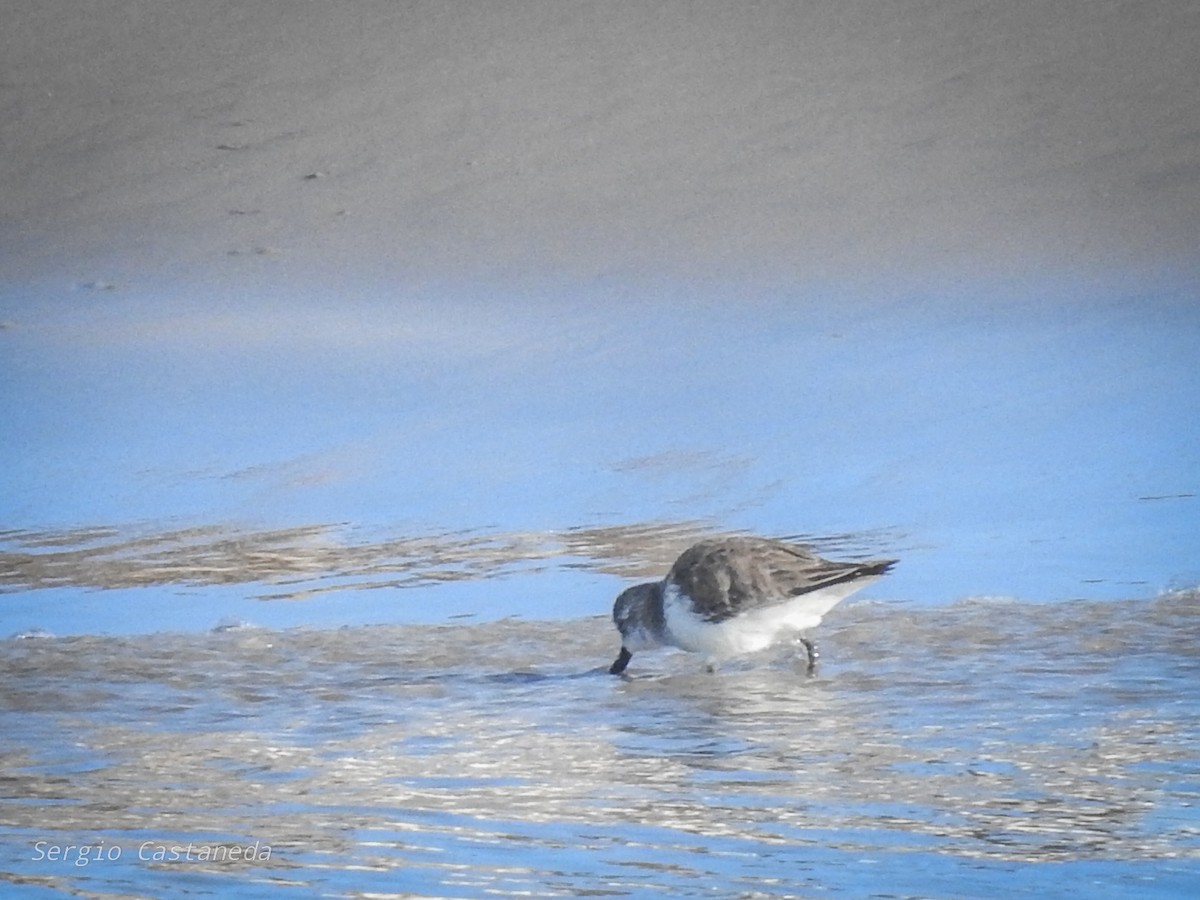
[726, 577]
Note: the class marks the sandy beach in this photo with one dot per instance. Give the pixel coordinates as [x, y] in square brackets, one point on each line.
[268, 142]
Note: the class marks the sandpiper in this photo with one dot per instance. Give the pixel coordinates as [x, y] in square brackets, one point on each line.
[729, 596]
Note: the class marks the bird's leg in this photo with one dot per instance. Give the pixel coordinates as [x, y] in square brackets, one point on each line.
[813, 655]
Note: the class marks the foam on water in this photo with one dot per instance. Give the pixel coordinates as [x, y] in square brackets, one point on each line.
[983, 747]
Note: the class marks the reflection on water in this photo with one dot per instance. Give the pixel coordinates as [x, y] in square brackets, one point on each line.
[953, 751]
[315, 559]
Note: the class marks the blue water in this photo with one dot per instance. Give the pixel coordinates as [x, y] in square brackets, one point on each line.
[1034, 440]
[406, 515]
[1035, 750]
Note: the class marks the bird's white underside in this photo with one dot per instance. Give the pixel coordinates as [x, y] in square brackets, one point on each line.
[750, 631]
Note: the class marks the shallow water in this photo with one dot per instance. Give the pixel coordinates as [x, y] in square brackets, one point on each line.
[352, 472]
[969, 750]
[1039, 444]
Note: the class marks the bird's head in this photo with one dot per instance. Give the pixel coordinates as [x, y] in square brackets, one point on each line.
[638, 615]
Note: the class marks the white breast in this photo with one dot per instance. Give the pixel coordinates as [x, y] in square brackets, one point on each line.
[751, 631]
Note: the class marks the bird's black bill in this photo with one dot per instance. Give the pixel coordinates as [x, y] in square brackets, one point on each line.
[622, 661]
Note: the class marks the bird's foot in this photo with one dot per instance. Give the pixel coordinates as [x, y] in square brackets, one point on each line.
[622, 661]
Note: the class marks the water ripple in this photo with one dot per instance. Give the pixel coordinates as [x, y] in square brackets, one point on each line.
[969, 741]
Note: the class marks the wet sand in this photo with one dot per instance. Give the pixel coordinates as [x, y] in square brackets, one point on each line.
[254, 144]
